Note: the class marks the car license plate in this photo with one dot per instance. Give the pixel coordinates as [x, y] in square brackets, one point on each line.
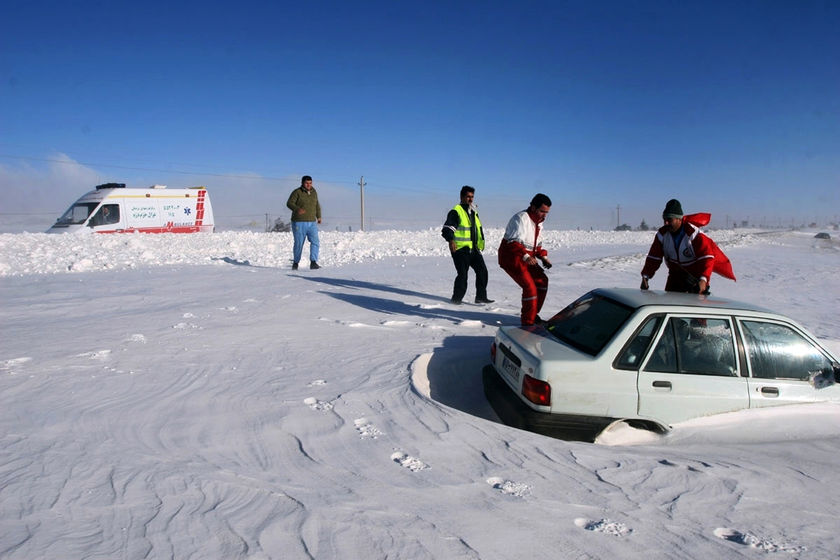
[511, 369]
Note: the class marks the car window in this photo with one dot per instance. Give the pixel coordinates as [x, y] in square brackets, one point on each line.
[695, 345]
[634, 351]
[107, 214]
[77, 214]
[777, 351]
[589, 322]
[664, 356]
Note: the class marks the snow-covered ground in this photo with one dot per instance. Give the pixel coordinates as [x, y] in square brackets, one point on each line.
[190, 396]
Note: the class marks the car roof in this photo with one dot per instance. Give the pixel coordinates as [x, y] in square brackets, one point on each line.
[636, 298]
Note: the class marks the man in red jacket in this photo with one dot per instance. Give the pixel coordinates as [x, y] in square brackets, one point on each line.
[687, 251]
[520, 254]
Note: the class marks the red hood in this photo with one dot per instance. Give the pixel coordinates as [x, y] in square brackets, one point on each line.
[700, 219]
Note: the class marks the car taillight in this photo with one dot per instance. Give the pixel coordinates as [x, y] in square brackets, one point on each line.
[493, 352]
[536, 391]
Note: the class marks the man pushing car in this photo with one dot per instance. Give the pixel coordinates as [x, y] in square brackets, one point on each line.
[691, 256]
[520, 254]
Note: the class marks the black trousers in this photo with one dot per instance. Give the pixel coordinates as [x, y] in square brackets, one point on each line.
[464, 259]
[681, 281]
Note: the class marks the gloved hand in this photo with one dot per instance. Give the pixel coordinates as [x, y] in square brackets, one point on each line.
[644, 285]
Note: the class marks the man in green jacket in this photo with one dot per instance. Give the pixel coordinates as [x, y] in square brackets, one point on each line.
[465, 236]
[306, 215]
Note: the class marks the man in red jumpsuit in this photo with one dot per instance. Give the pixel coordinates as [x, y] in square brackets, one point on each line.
[690, 255]
[520, 254]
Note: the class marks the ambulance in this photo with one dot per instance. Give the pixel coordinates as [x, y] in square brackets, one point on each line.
[112, 208]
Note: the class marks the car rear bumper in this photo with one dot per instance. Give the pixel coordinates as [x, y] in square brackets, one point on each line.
[513, 412]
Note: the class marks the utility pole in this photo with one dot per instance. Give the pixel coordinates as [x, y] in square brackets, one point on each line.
[362, 192]
[618, 216]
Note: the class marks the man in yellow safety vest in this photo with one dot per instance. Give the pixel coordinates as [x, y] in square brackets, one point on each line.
[462, 230]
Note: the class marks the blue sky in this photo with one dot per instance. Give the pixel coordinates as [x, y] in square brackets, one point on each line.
[732, 107]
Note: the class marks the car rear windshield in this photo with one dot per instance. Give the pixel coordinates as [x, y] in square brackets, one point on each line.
[589, 323]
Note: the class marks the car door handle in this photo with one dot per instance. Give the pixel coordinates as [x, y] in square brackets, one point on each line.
[770, 391]
[662, 385]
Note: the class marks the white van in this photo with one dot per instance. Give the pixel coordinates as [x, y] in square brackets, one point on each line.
[112, 208]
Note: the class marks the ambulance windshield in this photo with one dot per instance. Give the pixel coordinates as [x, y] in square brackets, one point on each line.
[77, 214]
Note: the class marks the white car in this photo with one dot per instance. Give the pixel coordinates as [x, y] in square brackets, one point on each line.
[652, 359]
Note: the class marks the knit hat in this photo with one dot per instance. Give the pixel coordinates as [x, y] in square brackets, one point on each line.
[673, 209]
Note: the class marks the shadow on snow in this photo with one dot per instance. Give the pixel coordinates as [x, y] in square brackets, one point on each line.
[390, 306]
[454, 370]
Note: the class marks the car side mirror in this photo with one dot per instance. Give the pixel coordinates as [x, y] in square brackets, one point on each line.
[823, 378]
[836, 373]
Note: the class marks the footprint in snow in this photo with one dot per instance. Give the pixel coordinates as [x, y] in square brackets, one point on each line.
[607, 526]
[509, 487]
[315, 404]
[411, 463]
[96, 355]
[753, 541]
[366, 429]
[317, 382]
[7, 365]
[137, 338]
[397, 323]
[667, 463]
[356, 324]
[351, 324]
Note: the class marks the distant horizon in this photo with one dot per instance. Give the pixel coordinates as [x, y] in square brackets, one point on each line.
[39, 222]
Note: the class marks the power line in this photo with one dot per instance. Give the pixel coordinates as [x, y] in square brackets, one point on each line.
[375, 185]
[27, 213]
[176, 171]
